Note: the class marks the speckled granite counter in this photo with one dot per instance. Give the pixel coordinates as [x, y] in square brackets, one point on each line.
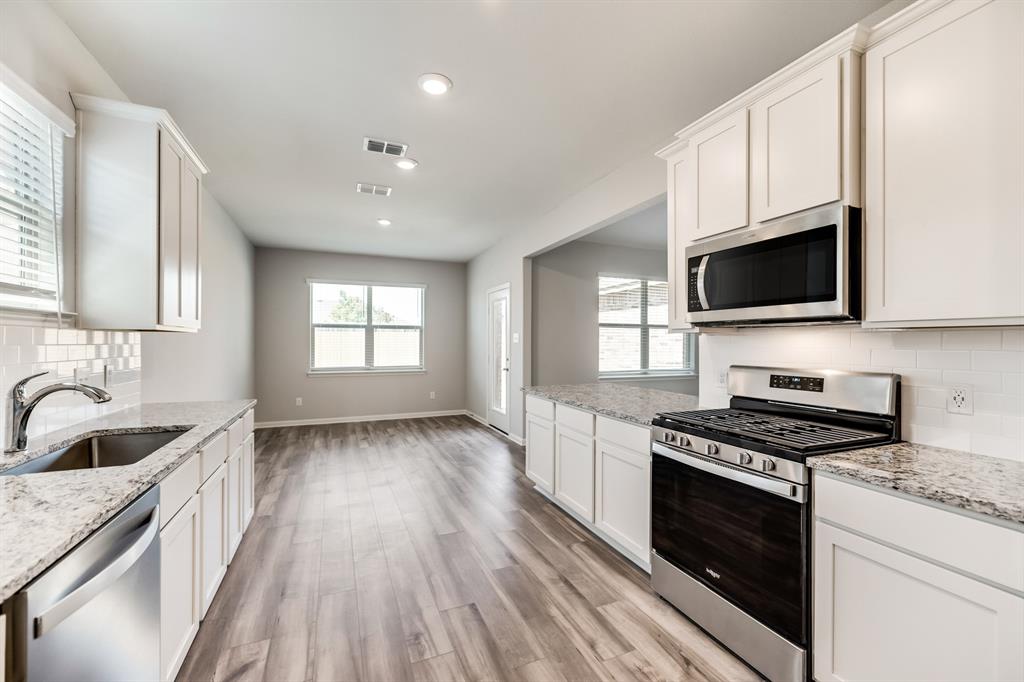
[44, 515]
[976, 483]
[628, 403]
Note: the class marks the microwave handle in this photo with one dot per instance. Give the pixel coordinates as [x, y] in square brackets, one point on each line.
[702, 271]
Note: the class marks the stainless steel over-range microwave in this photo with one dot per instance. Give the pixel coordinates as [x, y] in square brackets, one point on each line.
[802, 269]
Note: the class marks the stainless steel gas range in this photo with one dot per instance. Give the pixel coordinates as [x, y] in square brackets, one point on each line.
[731, 520]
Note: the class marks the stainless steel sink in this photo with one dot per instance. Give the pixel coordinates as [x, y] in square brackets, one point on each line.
[99, 451]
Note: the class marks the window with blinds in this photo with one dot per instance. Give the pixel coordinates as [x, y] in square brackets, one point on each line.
[356, 327]
[633, 337]
[31, 200]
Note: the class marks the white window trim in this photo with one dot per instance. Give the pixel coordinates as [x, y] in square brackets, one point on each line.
[342, 371]
[641, 374]
[12, 84]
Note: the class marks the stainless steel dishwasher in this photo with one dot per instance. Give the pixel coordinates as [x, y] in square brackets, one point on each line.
[94, 616]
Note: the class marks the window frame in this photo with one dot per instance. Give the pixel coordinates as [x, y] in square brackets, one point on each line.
[368, 328]
[62, 128]
[645, 336]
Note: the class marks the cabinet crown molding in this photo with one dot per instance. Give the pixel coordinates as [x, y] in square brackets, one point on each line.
[139, 112]
[906, 17]
[852, 39]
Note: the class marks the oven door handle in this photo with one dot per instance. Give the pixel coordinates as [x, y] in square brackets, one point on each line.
[768, 485]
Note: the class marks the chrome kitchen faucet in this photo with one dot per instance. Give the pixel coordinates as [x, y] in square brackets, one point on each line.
[23, 406]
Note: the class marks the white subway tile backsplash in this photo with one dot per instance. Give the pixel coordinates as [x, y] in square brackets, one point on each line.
[28, 350]
[972, 339]
[991, 361]
[997, 361]
[944, 359]
[888, 357]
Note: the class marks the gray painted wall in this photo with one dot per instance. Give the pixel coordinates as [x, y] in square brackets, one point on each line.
[564, 329]
[282, 339]
[218, 361]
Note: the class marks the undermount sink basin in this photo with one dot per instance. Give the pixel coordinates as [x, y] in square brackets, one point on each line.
[99, 451]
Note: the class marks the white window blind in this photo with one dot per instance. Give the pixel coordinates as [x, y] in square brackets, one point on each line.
[31, 200]
[633, 330]
[356, 327]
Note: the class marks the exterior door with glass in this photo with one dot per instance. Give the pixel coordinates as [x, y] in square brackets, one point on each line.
[499, 357]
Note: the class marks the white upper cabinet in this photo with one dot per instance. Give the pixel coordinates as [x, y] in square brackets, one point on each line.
[795, 144]
[944, 166]
[139, 219]
[678, 240]
[714, 179]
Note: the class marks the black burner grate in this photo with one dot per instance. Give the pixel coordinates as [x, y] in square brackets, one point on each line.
[798, 434]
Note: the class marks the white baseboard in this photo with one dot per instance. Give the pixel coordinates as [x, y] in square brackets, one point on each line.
[515, 439]
[361, 418]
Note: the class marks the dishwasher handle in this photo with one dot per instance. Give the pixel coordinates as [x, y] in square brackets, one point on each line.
[109, 574]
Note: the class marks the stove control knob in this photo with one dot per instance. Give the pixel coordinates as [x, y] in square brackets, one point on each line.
[684, 441]
[669, 437]
[745, 458]
[767, 465]
[711, 449]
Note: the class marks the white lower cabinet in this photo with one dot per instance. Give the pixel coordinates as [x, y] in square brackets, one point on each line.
[213, 511]
[595, 467]
[235, 510]
[574, 471]
[623, 502]
[180, 587]
[901, 598]
[248, 480]
[540, 451]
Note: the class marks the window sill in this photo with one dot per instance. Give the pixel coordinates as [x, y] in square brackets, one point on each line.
[361, 372]
[647, 377]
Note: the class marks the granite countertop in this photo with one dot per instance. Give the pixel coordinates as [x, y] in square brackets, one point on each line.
[976, 483]
[44, 515]
[618, 401]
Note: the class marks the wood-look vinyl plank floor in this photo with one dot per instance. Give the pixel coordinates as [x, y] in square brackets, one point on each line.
[417, 550]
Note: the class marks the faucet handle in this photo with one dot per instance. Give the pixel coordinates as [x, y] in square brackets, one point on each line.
[19, 388]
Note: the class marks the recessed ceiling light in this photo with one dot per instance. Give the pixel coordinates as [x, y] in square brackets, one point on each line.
[407, 163]
[434, 83]
[383, 222]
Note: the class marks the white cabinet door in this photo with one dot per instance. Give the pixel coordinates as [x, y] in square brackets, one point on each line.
[623, 502]
[235, 508]
[678, 240]
[715, 178]
[540, 452]
[574, 471]
[795, 144]
[248, 480]
[213, 512]
[172, 163]
[180, 587]
[880, 614]
[943, 171]
[189, 275]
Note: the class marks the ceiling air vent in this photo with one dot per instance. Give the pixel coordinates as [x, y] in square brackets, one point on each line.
[384, 147]
[369, 188]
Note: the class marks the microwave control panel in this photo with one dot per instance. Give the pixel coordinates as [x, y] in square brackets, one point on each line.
[797, 383]
[692, 299]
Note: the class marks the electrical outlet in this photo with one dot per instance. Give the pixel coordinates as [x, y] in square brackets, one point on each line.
[82, 374]
[298, 402]
[722, 376]
[433, 395]
[960, 400]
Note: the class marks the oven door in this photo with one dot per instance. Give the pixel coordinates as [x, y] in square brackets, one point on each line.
[804, 268]
[743, 535]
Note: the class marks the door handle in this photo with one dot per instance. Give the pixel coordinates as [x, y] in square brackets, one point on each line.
[702, 271]
[108, 575]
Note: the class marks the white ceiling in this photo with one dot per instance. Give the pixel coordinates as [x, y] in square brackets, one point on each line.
[645, 229]
[548, 97]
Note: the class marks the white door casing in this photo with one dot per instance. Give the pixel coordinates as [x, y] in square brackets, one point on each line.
[499, 357]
